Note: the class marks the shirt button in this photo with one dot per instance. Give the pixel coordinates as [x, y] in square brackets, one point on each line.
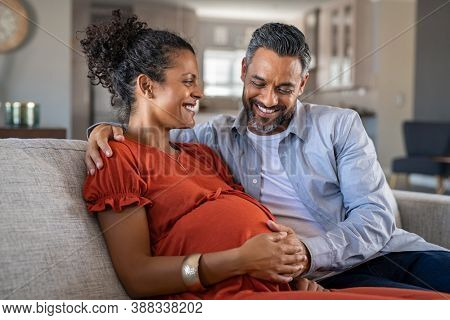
[255, 181]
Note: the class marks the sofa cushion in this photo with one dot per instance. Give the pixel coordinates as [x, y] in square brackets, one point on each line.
[427, 215]
[50, 247]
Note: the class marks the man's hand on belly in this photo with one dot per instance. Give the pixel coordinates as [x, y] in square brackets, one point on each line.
[292, 239]
[267, 256]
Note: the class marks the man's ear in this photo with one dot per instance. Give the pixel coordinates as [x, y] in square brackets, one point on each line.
[144, 85]
[243, 69]
[303, 82]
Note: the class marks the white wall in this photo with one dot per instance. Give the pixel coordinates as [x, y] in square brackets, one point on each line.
[432, 62]
[40, 70]
[395, 77]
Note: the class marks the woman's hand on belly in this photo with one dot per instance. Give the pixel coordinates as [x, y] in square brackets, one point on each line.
[270, 257]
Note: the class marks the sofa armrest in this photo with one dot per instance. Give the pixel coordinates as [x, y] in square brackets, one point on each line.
[427, 215]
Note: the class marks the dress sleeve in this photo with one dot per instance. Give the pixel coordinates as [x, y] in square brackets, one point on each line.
[222, 168]
[118, 184]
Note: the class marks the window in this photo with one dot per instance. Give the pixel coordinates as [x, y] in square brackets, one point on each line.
[222, 72]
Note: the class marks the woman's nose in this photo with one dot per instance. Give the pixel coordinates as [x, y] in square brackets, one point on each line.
[198, 92]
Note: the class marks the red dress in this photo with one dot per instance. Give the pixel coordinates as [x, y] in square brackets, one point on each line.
[193, 206]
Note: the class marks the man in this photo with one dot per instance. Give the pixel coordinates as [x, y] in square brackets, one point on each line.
[315, 168]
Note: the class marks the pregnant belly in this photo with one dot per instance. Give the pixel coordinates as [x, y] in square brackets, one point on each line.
[224, 223]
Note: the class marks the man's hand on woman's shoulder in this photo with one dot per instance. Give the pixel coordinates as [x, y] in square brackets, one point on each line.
[98, 139]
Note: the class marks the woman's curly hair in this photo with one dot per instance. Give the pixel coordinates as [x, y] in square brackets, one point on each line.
[119, 51]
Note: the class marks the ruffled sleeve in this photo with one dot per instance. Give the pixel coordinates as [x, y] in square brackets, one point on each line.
[118, 184]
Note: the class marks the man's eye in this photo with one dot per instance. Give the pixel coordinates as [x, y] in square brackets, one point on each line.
[285, 91]
[188, 82]
[258, 85]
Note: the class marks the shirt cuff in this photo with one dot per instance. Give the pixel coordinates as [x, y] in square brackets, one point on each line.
[321, 254]
[89, 129]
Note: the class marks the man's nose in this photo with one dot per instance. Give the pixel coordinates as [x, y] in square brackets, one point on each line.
[269, 97]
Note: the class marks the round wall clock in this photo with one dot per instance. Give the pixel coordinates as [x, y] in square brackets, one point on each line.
[13, 24]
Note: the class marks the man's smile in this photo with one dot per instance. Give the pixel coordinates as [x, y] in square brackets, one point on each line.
[265, 112]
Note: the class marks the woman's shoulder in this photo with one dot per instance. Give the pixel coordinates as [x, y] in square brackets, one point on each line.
[119, 183]
[121, 146]
[123, 151]
[119, 168]
[124, 158]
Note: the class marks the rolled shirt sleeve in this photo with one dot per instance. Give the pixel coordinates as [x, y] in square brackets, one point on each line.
[369, 221]
[114, 124]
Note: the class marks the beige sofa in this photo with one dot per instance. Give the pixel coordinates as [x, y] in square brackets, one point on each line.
[51, 248]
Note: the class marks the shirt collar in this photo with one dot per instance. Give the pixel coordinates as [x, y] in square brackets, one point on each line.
[240, 123]
[297, 125]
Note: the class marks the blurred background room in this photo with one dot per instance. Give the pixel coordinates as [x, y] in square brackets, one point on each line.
[387, 59]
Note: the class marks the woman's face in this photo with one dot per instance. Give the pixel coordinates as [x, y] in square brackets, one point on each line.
[176, 98]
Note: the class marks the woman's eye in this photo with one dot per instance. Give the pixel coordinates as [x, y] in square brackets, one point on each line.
[188, 82]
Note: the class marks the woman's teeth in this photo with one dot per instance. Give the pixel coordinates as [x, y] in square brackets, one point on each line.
[265, 110]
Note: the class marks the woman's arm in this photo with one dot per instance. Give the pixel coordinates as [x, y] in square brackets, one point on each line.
[265, 256]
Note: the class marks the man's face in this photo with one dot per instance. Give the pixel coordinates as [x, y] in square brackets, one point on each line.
[272, 84]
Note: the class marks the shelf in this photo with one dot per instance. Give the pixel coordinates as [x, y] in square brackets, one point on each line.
[32, 133]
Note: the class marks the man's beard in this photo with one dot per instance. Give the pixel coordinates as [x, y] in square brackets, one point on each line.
[253, 123]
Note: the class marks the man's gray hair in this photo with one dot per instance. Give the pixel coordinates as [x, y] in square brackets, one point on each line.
[285, 40]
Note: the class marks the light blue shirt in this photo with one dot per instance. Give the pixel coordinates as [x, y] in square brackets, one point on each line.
[333, 167]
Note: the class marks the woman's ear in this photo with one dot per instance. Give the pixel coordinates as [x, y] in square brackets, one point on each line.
[144, 85]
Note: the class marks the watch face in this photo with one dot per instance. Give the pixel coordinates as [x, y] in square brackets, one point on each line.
[13, 24]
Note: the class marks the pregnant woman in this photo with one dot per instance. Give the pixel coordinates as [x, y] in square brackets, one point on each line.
[175, 223]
